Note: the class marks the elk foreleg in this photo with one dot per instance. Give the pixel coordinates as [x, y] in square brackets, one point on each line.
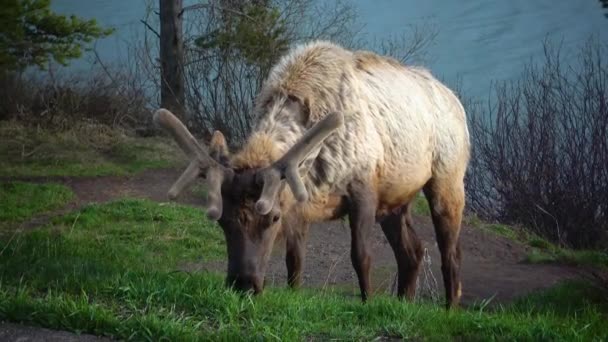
[362, 216]
[295, 241]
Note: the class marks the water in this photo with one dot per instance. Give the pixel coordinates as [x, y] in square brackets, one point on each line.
[478, 41]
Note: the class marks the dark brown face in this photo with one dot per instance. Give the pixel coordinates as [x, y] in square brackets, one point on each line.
[249, 235]
[245, 203]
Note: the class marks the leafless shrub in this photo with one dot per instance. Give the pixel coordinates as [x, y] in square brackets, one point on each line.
[409, 46]
[59, 101]
[221, 84]
[540, 151]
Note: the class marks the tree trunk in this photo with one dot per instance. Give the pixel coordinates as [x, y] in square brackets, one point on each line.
[171, 58]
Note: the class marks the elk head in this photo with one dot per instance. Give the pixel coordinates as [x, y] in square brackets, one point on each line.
[245, 202]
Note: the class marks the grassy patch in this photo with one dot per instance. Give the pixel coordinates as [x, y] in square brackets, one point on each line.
[181, 307]
[507, 231]
[83, 150]
[568, 299]
[20, 200]
[112, 270]
[543, 251]
[567, 256]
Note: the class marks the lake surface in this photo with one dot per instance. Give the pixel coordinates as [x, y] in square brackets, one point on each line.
[478, 41]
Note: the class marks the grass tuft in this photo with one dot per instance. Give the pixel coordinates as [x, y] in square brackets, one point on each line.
[21, 200]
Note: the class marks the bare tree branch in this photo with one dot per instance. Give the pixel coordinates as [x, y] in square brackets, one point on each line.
[150, 28]
[212, 7]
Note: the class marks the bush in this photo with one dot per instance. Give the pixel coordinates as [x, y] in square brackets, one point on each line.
[540, 154]
[52, 102]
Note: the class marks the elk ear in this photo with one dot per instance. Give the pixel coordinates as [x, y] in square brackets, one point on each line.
[200, 163]
[218, 148]
[300, 107]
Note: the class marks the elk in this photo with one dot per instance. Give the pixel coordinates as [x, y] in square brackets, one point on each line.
[338, 132]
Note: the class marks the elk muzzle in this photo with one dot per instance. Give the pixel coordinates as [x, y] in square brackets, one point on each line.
[246, 282]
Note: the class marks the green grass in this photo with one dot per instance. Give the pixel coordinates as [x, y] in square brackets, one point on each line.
[189, 308]
[508, 232]
[543, 251]
[566, 300]
[571, 257]
[83, 150]
[20, 200]
[421, 206]
[113, 270]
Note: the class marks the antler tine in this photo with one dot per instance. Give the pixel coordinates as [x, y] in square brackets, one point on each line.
[215, 179]
[201, 162]
[287, 166]
[170, 123]
[187, 177]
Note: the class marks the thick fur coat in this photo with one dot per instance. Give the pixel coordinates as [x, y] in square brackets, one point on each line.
[402, 127]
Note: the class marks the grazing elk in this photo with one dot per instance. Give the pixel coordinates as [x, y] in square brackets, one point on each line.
[349, 132]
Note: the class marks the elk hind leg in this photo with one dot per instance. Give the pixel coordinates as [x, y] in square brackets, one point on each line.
[399, 231]
[446, 200]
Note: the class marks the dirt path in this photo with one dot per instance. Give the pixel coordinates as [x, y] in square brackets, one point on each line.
[492, 265]
[10, 332]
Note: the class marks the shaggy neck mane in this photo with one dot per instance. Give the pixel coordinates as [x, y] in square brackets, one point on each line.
[304, 86]
[276, 131]
[260, 151]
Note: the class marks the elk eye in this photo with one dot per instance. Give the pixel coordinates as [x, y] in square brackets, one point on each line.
[276, 217]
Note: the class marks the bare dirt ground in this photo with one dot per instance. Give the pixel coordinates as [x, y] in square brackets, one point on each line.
[492, 265]
[20, 333]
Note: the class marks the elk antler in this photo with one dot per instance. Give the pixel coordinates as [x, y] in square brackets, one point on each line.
[287, 166]
[216, 174]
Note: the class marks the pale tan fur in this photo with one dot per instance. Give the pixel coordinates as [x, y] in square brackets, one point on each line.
[401, 130]
[218, 142]
[259, 152]
[402, 126]
[366, 60]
